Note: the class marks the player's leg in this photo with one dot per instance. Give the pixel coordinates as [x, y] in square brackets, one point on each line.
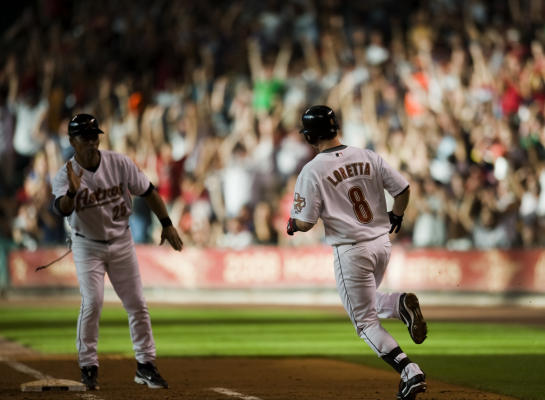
[387, 304]
[355, 268]
[354, 273]
[412, 378]
[90, 271]
[124, 274]
[403, 306]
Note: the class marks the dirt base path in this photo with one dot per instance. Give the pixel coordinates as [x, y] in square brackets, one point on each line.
[231, 378]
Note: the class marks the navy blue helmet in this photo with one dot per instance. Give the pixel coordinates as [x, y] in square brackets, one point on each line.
[83, 124]
[319, 122]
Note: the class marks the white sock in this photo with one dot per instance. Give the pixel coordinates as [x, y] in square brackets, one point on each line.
[409, 371]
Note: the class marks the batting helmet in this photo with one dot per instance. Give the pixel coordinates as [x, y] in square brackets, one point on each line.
[83, 123]
[319, 122]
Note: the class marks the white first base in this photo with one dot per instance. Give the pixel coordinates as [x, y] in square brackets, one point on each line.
[44, 385]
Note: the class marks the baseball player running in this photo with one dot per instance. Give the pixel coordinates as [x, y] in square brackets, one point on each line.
[93, 190]
[345, 186]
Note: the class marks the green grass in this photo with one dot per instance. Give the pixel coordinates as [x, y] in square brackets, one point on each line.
[502, 358]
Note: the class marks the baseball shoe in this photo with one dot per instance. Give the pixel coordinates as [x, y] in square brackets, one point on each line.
[411, 315]
[408, 390]
[89, 377]
[148, 374]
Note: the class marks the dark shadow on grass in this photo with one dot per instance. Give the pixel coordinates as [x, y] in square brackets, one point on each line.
[520, 375]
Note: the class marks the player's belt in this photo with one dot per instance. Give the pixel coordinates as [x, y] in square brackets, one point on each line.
[98, 240]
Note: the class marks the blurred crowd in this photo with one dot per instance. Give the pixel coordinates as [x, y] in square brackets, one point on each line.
[206, 97]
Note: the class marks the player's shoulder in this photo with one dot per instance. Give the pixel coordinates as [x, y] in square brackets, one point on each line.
[360, 153]
[111, 154]
[368, 152]
[312, 164]
[113, 157]
[370, 155]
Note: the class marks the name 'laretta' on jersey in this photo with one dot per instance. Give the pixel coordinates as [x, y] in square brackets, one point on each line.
[345, 187]
[348, 171]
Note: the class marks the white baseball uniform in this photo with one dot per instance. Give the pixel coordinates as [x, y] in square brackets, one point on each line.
[344, 186]
[102, 243]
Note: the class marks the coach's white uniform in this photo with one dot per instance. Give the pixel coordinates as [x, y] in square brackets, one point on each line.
[344, 186]
[102, 243]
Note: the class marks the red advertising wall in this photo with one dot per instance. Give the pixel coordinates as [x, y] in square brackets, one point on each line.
[274, 267]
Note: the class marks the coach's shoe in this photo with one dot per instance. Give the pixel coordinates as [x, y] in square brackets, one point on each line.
[411, 315]
[89, 377]
[148, 374]
[408, 390]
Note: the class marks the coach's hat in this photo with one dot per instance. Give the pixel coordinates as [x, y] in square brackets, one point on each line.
[82, 124]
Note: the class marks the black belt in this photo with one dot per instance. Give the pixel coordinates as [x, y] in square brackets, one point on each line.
[98, 240]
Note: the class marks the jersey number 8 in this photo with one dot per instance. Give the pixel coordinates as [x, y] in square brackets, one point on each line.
[361, 206]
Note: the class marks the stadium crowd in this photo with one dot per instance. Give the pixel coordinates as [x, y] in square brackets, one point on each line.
[206, 97]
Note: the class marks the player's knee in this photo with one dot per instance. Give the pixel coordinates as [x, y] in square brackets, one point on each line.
[136, 308]
[363, 327]
[92, 305]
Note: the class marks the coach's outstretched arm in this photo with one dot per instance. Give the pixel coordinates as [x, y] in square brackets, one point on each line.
[157, 205]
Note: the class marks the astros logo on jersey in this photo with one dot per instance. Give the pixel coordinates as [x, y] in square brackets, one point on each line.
[99, 197]
[299, 203]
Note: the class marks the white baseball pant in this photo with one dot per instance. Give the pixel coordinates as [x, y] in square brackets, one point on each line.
[118, 259]
[359, 270]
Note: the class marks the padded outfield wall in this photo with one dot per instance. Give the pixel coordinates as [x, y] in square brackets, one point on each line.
[299, 275]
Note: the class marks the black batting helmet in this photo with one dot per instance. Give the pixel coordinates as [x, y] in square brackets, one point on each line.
[83, 123]
[319, 122]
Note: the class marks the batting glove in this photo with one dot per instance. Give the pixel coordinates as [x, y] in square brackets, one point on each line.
[292, 226]
[395, 221]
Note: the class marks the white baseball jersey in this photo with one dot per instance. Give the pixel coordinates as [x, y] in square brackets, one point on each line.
[345, 187]
[103, 202]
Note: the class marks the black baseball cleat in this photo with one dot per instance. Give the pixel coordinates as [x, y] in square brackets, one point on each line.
[148, 374]
[411, 315]
[408, 390]
[89, 377]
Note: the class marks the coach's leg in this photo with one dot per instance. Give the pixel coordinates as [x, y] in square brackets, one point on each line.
[125, 277]
[90, 272]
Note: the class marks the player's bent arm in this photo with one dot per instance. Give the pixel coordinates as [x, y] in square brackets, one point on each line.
[401, 201]
[296, 225]
[155, 203]
[303, 226]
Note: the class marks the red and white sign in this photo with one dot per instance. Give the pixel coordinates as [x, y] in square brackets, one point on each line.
[304, 267]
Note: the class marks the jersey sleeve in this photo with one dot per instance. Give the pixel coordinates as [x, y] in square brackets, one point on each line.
[306, 199]
[393, 181]
[137, 182]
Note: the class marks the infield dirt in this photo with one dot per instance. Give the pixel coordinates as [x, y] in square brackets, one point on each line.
[255, 378]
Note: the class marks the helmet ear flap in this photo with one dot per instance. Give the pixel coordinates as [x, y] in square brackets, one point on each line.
[311, 139]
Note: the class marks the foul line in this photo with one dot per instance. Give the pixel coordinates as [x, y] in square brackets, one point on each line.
[232, 393]
[25, 369]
